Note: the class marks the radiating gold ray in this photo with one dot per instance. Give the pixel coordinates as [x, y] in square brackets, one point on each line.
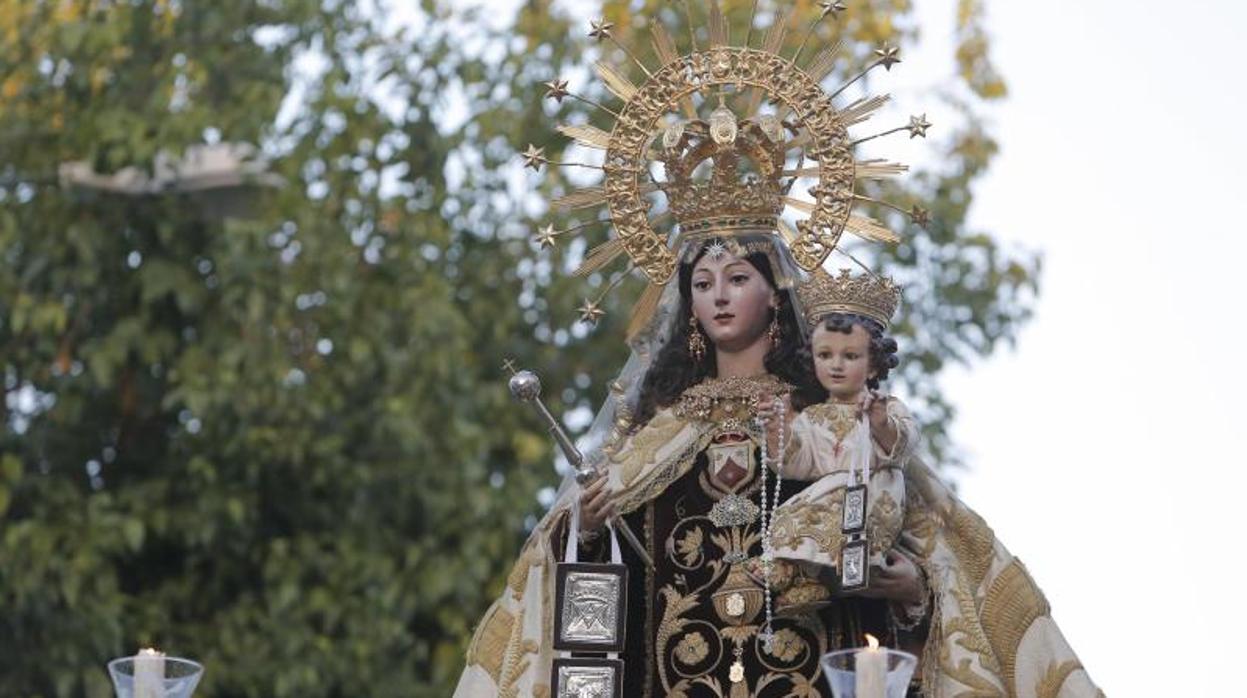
[803, 172]
[616, 82]
[785, 230]
[600, 256]
[587, 197]
[753, 13]
[802, 206]
[586, 135]
[824, 62]
[876, 169]
[862, 109]
[665, 49]
[716, 24]
[771, 42]
[870, 229]
[644, 309]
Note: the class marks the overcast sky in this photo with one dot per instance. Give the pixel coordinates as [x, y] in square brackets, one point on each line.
[1104, 450]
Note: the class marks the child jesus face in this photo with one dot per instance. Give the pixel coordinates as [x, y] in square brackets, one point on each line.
[842, 361]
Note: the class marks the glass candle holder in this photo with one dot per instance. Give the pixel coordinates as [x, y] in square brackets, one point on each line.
[180, 677]
[869, 673]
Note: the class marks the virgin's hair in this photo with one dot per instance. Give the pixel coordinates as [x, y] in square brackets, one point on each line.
[674, 369]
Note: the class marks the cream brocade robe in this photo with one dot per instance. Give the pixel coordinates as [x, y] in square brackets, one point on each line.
[991, 632]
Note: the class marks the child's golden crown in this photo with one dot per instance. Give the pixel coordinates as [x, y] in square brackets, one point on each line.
[875, 297]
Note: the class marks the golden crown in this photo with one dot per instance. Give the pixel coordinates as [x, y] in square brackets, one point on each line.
[875, 297]
[725, 201]
[773, 127]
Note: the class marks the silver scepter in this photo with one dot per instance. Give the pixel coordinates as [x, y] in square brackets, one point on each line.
[526, 387]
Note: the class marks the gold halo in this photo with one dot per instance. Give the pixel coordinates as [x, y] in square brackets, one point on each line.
[785, 84]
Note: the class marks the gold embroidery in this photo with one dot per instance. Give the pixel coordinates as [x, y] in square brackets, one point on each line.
[1050, 685]
[1011, 605]
[515, 662]
[883, 523]
[689, 547]
[676, 606]
[967, 623]
[642, 448]
[972, 542]
[786, 645]
[836, 417]
[692, 649]
[490, 644]
[529, 558]
[817, 522]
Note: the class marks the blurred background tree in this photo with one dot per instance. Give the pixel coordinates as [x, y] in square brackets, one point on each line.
[269, 430]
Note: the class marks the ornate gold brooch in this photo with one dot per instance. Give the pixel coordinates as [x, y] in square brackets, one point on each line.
[730, 402]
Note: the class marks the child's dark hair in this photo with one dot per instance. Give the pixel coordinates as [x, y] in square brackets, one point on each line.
[674, 370]
[882, 347]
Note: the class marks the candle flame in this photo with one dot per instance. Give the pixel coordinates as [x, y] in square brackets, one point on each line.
[872, 642]
[150, 652]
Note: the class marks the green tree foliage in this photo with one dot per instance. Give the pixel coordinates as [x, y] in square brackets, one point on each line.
[281, 442]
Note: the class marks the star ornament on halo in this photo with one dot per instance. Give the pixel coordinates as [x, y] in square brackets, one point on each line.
[600, 29]
[920, 216]
[888, 56]
[545, 237]
[534, 157]
[918, 126]
[832, 8]
[556, 90]
[590, 312]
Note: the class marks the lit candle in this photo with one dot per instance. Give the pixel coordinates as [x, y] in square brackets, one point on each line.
[149, 674]
[870, 668]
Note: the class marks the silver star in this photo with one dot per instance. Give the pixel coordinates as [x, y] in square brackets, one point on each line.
[920, 216]
[832, 8]
[590, 312]
[556, 90]
[601, 29]
[545, 237]
[918, 126]
[888, 55]
[716, 249]
[534, 157]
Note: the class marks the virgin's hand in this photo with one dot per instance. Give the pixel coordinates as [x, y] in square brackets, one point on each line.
[595, 506]
[899, 579]
[769, 411]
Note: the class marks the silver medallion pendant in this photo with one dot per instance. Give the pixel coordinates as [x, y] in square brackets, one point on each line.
[854, 510]
[591, 608]
[587, 678]
[854, 566]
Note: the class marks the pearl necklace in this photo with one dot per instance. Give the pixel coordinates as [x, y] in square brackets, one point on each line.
[768, 516]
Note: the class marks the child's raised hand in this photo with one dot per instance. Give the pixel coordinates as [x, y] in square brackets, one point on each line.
[875, 407]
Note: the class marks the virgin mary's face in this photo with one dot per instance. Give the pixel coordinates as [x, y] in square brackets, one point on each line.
[732, 300]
